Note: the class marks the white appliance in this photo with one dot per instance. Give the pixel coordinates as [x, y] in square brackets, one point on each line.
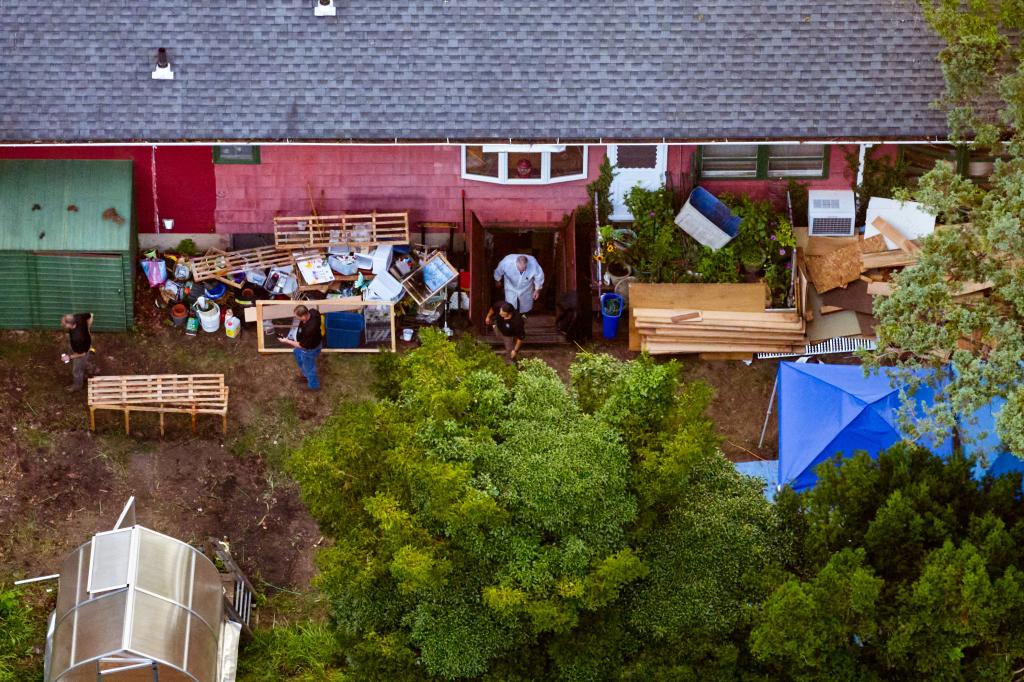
[831, 212]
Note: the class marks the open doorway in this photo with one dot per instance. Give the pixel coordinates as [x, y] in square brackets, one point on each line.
[541, 244]
[554, 248]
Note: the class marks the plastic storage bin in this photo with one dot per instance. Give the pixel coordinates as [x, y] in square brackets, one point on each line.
[707, 219]
[344, 330]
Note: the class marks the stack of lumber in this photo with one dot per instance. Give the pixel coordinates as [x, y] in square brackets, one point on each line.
[664, 331]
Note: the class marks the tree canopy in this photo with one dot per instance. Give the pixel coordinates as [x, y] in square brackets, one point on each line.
[973, 346]
[902, 568]
[495, 523]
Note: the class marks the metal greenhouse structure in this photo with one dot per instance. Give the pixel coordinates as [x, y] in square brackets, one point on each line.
[134, 604]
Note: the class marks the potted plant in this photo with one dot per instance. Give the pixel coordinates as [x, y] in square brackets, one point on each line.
[616, 244]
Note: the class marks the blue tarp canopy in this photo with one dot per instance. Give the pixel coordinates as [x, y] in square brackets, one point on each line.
[830, 409]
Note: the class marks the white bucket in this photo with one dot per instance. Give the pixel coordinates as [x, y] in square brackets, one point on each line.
[232, 325]
[407, 334]
[210, 319]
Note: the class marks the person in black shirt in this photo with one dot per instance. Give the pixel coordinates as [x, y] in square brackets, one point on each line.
[78, 327]
[307, 345]
[508, 324]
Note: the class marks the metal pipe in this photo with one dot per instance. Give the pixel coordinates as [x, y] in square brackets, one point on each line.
[41, 578]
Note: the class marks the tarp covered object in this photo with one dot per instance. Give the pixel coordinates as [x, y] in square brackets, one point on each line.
[830, 409]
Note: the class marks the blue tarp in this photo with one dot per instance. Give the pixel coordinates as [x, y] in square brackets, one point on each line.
[766, 470]
[829, 409]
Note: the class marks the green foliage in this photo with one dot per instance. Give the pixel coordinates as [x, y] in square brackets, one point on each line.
[499, 524]
[925, 325]
[663, 252]
[981, 64]
[601, 188]
[303, 652]
[764, 245]
[187, 247]
[882, 177]
[902, 568]
[22, 632]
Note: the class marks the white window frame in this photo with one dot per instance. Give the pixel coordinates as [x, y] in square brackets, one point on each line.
[545, 150]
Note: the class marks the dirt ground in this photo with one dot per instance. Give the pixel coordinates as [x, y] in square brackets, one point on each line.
[60, 483]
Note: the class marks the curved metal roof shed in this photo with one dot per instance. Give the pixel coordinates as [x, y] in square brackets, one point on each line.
[134, 604]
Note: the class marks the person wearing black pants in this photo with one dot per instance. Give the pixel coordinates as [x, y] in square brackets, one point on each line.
[79, 328]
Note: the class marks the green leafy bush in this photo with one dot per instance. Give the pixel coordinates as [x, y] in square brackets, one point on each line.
[493, 523]
[22, 635]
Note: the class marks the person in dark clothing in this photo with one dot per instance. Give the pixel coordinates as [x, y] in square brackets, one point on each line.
[79, 328]
[307, 345]
[509, 325]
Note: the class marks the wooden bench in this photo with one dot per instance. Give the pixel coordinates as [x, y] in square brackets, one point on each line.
[163, 393]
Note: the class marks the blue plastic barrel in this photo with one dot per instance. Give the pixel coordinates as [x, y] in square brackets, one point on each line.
[611, 311]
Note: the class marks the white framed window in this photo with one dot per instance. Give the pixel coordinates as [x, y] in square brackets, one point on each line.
[524, 164]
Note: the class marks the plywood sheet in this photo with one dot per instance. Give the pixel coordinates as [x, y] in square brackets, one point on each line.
[726, 297]
[833, 326]
[854, 297]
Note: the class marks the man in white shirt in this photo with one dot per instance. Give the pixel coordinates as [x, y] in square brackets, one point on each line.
[524, 279]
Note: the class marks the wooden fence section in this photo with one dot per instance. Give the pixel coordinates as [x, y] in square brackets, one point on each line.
[347, 229]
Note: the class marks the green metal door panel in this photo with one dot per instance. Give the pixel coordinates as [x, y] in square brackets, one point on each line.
[81, 283]
[17, 281]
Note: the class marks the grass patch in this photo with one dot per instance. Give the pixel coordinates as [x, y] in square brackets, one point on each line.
[273, 437]
[22, 632]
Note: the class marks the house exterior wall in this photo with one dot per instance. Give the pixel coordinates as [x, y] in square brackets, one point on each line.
[204, 197]
[425, 180]
[184, 188]
[839, 176]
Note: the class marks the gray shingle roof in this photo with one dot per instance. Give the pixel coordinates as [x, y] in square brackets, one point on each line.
[468, 69]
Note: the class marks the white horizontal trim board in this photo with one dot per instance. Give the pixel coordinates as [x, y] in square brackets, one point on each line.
[458, 143]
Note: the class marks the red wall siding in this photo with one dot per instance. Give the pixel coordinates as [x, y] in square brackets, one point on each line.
[186, 187]
[840, 176]
[426, 181]
[185, 180]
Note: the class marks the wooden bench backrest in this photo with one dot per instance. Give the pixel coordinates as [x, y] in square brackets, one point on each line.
[173, 389]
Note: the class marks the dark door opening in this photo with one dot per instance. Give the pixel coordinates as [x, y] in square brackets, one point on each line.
[540, 244]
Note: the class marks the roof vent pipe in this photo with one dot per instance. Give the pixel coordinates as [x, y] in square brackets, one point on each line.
[324, 8]
[163, 72]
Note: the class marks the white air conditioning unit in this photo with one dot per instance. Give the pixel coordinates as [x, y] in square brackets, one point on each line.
[831, 213]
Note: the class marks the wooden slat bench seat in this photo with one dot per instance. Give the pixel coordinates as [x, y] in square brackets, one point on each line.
[163, 393]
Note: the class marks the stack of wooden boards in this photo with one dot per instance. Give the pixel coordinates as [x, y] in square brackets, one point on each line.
[718, 321]
[702, 331]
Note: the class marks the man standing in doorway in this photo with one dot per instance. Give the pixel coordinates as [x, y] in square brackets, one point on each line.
[79, 329]
[307, 345]
[523, 278]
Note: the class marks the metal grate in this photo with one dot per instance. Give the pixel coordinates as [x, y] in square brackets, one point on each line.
[831, 226]
[843, 344]
[826, 203]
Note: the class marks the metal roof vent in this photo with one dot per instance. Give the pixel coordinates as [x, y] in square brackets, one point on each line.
[163, 72]
[324, 8]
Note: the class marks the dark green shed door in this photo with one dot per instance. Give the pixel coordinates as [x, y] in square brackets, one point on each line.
[17, 279]
[41, 287]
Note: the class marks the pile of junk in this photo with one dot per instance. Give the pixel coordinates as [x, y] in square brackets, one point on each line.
[314, 258]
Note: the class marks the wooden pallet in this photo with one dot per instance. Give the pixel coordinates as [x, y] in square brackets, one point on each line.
[219, 264]
[192, 394]
[349, 229]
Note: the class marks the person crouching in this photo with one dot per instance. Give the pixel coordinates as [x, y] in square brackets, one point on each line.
[509, 325]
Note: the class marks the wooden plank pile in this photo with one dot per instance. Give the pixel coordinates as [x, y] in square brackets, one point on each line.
[673, 331]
